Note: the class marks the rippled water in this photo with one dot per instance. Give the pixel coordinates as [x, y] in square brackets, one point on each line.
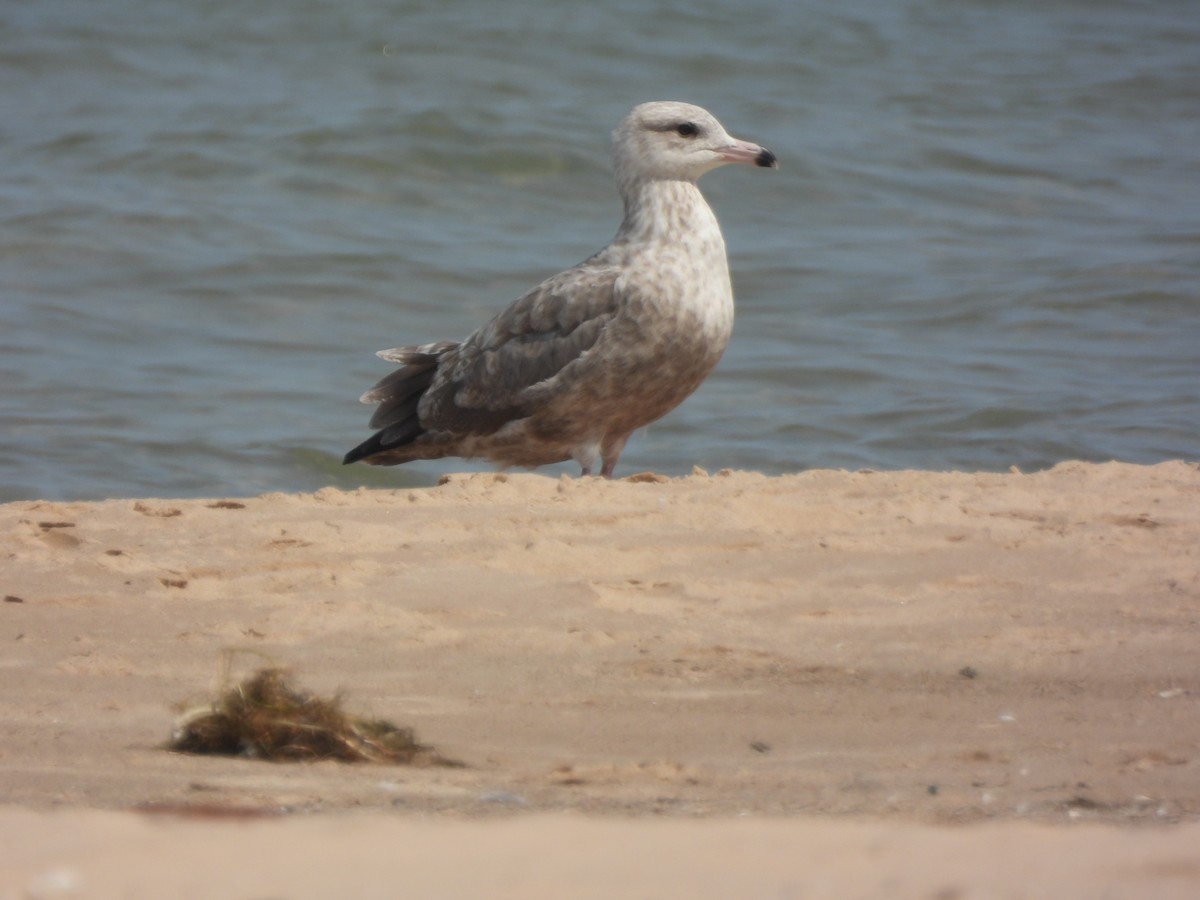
[982, 248]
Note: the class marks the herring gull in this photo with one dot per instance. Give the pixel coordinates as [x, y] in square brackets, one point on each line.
[575, 366]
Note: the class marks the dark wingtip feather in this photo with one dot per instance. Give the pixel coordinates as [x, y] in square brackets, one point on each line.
[388, 439]
[362, 451]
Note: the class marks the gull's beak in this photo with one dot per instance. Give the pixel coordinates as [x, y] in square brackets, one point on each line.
[745, 152]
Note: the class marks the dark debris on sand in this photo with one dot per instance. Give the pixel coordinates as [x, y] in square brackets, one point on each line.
[265, 717]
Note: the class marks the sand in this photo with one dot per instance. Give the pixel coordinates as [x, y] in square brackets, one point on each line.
[831, 684]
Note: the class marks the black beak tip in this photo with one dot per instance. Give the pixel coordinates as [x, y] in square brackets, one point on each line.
[766, 159]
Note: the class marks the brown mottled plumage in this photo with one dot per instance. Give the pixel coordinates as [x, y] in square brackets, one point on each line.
[575, 366]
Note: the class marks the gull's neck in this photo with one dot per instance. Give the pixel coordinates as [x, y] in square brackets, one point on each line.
[660, 211]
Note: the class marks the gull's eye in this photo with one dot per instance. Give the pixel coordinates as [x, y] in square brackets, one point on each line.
[687, 129]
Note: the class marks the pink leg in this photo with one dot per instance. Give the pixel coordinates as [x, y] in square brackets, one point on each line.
[609, 452]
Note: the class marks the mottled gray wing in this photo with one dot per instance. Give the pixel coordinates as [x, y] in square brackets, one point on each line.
[398, 393]
[480, 384]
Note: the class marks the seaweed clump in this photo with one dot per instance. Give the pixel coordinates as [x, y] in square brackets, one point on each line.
[265, 717]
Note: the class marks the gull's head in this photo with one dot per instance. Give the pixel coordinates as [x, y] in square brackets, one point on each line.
[668, 141]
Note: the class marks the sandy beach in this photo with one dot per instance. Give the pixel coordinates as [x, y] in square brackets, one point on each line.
[830, 684]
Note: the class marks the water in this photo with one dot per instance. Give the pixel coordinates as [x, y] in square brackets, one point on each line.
[982, 249]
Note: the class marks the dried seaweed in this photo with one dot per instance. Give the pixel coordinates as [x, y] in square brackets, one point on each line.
[265, 717]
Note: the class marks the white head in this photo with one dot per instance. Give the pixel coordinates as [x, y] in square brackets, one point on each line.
[669, 141]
